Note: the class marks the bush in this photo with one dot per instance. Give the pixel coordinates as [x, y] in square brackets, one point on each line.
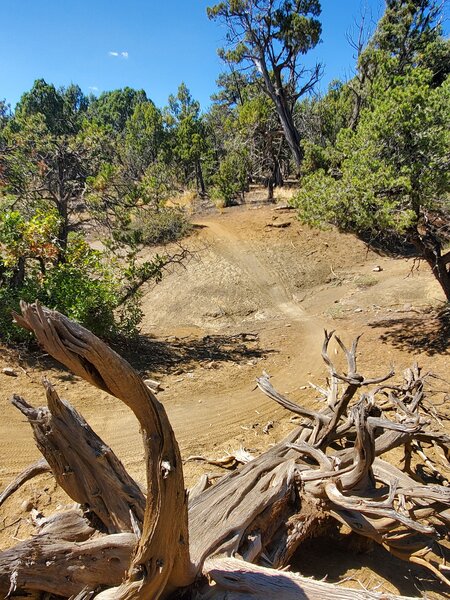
[230, 181]
[82, 287]
[164, 225]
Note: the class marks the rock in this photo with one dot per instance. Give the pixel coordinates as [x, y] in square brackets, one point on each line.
[27, 505]
[10, 371]
[377, 269]
[154, 385]
[279, 224]
[212, 365]
[284, 207]
[269, 425]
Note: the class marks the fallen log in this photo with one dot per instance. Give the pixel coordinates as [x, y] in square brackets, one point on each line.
[327, 471]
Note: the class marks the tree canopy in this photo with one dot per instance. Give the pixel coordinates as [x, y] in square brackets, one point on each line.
[270, 37]
[386, 174]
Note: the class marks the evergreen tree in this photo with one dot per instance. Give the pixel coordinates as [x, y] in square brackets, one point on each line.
[271, 37]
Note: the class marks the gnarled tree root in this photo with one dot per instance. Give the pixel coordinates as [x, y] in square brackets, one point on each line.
[329, 469]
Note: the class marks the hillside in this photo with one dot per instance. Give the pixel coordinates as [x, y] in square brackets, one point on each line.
[255, 294]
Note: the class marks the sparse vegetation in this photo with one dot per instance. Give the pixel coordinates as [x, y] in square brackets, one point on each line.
[96, 195]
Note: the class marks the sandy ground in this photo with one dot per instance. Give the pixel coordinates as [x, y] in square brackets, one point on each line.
[255, 295]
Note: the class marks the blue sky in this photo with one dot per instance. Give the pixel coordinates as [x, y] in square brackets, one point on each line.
[149, 44]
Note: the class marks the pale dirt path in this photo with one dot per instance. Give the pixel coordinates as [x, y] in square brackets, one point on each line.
[263, 277]
[203, 413]
[241, 263]
[252, 276]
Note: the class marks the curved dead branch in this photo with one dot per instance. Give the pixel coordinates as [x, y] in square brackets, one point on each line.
[161, 560]
[33, 470]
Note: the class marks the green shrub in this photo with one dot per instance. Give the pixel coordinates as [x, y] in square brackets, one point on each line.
[82, 287]
[231, 180]
[164, 225]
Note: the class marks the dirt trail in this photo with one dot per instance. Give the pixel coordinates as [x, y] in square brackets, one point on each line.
[281, 287]
[205, 408]
[245, 276]
[263, 276]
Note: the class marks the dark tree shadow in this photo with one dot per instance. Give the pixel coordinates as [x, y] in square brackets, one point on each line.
[146, 353]
[428, 332]
[171, 354]
[333, 556]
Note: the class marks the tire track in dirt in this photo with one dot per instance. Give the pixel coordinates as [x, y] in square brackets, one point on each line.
[203, 416]
[264, 278]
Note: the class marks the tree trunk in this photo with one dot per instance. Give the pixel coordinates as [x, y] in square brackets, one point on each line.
[284, 112]
[200, 181]
[18, 276]
[270, 182]
[290, 131]
[430, 248]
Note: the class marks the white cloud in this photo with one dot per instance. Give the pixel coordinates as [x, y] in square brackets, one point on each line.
[114, 53]
[93, 88]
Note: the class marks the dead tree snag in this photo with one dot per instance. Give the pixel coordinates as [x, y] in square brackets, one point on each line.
[248, 524]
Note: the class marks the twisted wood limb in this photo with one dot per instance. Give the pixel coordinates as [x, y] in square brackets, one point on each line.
[239, 580]
[83, 465]
[64, 557]
[161, 561]
[33, 470]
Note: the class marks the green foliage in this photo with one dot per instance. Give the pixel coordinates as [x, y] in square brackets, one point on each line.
[315, 158]
[269, 38]
[83, 287]
[113, 109]
[144, 136]
[188, 143]
[65, 157]
[394, 166]
[62, 109]
[231, 179]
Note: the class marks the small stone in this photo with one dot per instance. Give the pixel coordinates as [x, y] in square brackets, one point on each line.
[27, 505]
[267, 427]
[358, 310]
[9, 371]
[154, 385]
[377, 269]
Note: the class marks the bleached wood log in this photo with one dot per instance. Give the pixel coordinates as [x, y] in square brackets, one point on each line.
[64, 557]
[239, 580]
[161, 561]
[83, 465]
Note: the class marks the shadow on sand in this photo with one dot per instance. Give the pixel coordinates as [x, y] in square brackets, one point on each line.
[428, 331]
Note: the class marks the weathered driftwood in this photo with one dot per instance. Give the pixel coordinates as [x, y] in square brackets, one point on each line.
[33, 470]
[161, 559]
[83, 465]
[64, 557]
[239, 580]
[328, 469]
